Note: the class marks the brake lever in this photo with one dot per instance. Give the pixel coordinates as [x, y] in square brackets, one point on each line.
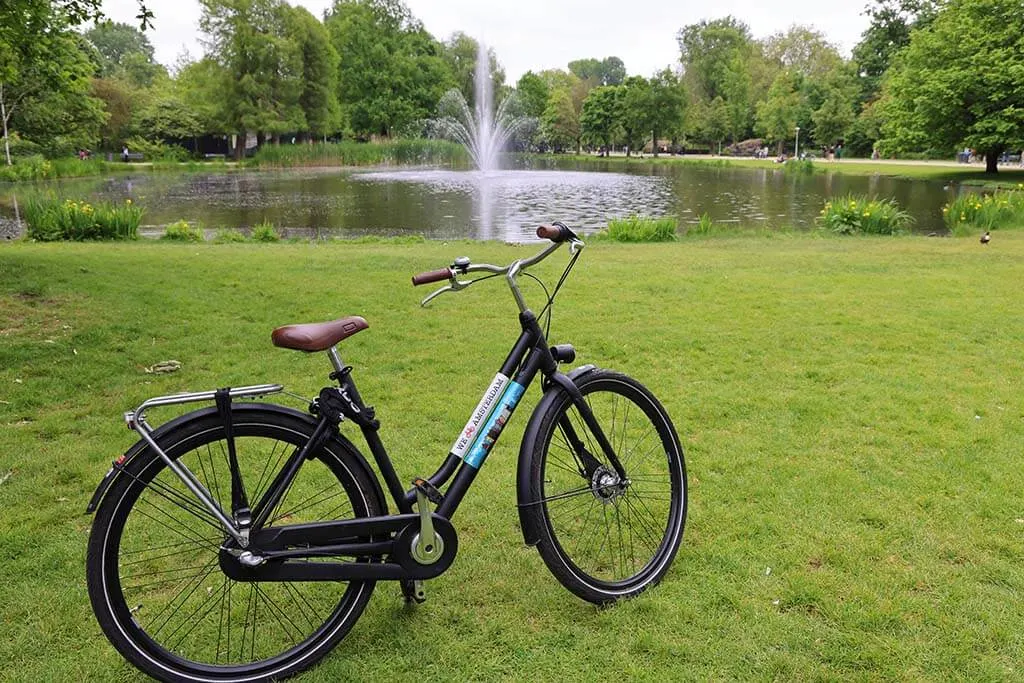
[453, 286]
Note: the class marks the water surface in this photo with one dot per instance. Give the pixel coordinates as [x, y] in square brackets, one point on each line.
[506, 205]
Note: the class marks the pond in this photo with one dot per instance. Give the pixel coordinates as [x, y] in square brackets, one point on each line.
[505, 205]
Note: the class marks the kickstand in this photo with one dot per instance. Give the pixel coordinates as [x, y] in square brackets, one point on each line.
[413, 591]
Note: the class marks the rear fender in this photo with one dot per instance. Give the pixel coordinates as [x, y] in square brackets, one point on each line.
[115, 470]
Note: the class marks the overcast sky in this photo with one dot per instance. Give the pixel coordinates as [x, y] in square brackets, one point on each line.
[545, 34]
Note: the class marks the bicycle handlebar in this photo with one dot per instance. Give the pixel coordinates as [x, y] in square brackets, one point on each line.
[557, 232]
[431, 276]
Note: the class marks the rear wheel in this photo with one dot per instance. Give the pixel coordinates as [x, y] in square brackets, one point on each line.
[602, 536]
[153, 569]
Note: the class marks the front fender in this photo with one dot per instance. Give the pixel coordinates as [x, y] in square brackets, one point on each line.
[524, 497]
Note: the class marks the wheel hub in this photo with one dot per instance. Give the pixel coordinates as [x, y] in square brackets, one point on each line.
[606, 485]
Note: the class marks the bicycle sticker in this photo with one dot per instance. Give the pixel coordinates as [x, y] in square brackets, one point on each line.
[495, 424]
[481, 413]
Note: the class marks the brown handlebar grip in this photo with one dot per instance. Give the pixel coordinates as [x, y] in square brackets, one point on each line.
[431, 276]
[549, 232]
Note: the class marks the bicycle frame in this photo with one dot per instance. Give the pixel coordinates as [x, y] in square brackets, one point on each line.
[385, 541]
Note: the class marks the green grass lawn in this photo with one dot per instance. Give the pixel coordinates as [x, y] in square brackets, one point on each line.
[851, 411]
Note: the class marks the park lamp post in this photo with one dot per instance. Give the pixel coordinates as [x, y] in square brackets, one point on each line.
[796, 154]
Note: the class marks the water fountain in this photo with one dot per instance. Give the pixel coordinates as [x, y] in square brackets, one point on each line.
[483, 131]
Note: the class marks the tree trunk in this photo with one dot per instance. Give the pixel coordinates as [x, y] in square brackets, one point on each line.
[654, 143]
[240, 145]
[991, 159]
[3, 115]
[261, 138]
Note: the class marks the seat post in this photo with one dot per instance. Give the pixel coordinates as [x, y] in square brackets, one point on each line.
[335, 359]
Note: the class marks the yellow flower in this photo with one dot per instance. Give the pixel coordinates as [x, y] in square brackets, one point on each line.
[128, 202]
[866, 213]
[945, 209]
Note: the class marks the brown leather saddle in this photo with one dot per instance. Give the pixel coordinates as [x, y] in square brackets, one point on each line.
[317, 336]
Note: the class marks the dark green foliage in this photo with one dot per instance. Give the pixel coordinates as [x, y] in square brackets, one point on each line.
[960, 82]
[392, 70]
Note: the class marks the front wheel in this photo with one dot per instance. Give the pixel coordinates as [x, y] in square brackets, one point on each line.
[605, 537]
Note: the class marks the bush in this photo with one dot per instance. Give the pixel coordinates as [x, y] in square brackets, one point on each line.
[969, 212]
[799, 166]
[265, 232]
[156, 151]
[352, 153]
[640, 229]
[181, 231]
[228, 235]
[51, 219]
[704, 226]
[852, 215]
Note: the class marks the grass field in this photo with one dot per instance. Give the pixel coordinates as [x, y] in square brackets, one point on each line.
[851, 410]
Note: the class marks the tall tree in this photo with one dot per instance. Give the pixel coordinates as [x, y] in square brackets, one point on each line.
[45, 76]
[601, 117]
[460, 52]
[262, 65]
[392, 71]
[777, 117]
[561, 123]
[636, 112]
[892, 22]
[717, 62]
[711, 52]
[667, 106]
[115, 42]
[533, 94]
[960, 82]
[318, 99]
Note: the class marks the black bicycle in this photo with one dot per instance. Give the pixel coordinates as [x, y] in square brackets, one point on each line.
[242, 541]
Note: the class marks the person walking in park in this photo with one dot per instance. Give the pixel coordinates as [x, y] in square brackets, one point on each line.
[124, 154]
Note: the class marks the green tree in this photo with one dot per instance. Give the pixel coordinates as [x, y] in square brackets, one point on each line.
[561, 123]
[833, 118]
[960, 82]
[601, 115]
[392, 71]
[460, 52]
[533, 94]
[778, 116]
[667, 106]
[44, 77]
[262, 65]
[318, 99]
[636, 112]
[892, 22]
[711, 52]
[120, 100]
[117, 42]
[714, 122]
[718, 58]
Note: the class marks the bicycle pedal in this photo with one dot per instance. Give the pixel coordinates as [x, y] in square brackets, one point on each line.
[428, 490]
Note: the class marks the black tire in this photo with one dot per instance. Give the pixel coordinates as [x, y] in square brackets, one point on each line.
[602, 539]
[154, 580]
